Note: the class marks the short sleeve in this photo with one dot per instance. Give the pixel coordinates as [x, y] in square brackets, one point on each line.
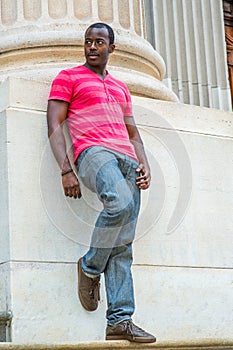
[62, 87]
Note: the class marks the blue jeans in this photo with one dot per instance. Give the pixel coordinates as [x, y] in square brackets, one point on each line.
[111, 175]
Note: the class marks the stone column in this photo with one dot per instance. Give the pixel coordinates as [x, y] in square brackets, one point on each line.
[39, 37]
[190, 37]
[228, 18]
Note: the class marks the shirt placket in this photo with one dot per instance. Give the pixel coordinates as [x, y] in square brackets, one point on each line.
[106, 90]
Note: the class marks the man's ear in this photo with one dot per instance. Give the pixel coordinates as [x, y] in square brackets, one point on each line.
[111, 48]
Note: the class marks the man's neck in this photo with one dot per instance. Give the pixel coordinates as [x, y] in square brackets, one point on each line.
[100, 71]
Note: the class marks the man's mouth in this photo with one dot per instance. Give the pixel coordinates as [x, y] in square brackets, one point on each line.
[92, 54]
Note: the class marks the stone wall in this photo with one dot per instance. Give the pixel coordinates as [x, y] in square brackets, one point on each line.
[183, 264]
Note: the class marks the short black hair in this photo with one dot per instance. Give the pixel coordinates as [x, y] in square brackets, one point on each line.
[104, 25]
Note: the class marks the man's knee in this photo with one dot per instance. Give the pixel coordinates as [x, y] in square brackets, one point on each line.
[118, 198]
[114, 204]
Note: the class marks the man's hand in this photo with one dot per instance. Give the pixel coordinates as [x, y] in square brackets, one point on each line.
[71, 185]
[144, 178]
[143, 170]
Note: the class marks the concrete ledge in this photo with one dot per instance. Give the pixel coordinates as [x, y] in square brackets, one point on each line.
[209, 344]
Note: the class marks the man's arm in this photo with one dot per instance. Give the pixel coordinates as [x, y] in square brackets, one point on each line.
[144, 178]
[56, 116]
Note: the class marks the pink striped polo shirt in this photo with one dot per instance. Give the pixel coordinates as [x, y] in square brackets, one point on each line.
[96, 109]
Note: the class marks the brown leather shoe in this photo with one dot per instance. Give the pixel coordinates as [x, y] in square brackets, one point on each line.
[88, 289]
[129, 331]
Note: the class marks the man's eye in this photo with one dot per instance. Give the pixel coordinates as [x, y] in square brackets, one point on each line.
[100, 42]
[88, 42]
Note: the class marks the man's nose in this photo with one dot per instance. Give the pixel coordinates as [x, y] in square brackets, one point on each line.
[93, 45]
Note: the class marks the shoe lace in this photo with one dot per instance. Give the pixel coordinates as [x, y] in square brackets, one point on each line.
[94, 289]
[131, 327]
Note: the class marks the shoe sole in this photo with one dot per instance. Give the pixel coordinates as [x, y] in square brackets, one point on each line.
[79, 293]
[135, 340]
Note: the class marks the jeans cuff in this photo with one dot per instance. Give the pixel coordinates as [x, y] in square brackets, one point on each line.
[89, 274]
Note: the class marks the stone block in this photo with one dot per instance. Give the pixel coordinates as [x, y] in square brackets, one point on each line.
[204, 233]
[45, 305]
[184, 303]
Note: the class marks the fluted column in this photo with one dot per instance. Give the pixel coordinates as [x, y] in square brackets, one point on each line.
[39, 35]
[228, 19]
[190, 37]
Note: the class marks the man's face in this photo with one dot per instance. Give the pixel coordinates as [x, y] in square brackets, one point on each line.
[96, 46]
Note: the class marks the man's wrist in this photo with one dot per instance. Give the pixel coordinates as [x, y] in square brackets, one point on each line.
[66, 171]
